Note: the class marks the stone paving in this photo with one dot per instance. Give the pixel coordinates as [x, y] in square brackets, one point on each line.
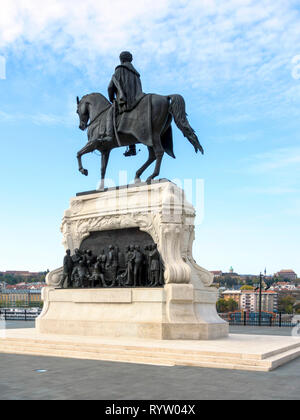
[72, 379]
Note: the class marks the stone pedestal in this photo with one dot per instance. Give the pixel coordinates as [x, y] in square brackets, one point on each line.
[185, 308]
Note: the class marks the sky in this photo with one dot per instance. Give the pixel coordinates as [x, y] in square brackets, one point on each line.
[237, 65]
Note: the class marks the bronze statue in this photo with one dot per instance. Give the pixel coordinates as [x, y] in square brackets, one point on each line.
[147, 262]
[132, 118]
[103, 259]
[154, 259]
[138, 266]
[81, 275]
[89, 259]
[126, 88]
[112, 264]
[75, 259]
[97, 275]
[68, 268]
[131, 266]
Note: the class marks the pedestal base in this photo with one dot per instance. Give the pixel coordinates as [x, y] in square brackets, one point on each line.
[131, 312]
[184, 309]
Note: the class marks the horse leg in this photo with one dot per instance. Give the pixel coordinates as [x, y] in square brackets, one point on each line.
[159, 152]
[90, 147]
[151, 159]
[104, 162]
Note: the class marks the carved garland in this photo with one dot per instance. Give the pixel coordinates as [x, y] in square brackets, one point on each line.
[79, 229]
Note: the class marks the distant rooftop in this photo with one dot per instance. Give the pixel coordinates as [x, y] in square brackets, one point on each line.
[287, 271]
[21, 273]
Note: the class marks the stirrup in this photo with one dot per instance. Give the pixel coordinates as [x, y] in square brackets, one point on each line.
[130, 152]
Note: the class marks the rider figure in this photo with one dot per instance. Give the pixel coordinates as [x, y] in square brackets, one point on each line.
[126, 87]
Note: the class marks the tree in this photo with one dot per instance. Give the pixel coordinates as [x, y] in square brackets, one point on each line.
[222, 305]
[248, 281]
[20, 303]
[226, 305]
[269, 281]
[247, 287]
[285, 304]
[232, 305]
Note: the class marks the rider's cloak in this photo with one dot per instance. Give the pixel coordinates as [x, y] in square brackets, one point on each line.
[126, 86]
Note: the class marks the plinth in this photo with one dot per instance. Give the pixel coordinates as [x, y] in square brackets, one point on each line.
[184, 308]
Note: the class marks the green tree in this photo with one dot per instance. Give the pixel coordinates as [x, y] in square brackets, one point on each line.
[226, 305]
[222, 305]
[232, 305]
[20, 303]
[247, 287]
[285, 304]
[249, 281]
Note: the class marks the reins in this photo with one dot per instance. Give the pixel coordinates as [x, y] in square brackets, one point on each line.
[94, 119]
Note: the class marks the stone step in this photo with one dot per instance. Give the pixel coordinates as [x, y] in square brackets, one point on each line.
[284, 357]
[160, 350]
[36, 351]
[136, 359]
[154, 354]
[143, 355]
[265, 365]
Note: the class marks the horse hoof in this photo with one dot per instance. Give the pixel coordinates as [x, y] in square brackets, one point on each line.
[149, 180]
[137, 180]
[101, 187]
[85, 172]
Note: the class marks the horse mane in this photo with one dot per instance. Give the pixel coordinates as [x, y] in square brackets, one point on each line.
[96, 94]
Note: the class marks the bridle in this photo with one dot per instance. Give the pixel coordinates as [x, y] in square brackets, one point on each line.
[97, 116]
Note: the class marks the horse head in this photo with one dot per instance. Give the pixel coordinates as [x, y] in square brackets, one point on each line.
[89, 106]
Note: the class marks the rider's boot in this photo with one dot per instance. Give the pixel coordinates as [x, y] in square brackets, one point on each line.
[131, 151]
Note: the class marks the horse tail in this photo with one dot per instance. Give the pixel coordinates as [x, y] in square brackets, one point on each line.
[177, 110]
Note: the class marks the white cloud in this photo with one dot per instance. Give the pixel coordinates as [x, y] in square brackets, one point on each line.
[235, 118]
[276, 159]
[40, 118]
[237, 137]
[273, 190]
[233, 33]
[244, 45]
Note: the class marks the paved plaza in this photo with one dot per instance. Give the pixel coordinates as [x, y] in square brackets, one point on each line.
[86, 379]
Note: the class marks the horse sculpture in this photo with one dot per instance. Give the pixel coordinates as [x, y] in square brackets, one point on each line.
[149, 124]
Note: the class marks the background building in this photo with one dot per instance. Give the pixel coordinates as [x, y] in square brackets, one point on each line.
[232, 294]
[248, 300]
[21, 294]
[286, 275]
[216, 273]
[21, 297]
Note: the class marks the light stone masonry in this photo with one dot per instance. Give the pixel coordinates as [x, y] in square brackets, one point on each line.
[185, 308]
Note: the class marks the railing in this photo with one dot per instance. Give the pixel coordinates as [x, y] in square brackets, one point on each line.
[269, 319]
[19, 314]
[266, 319]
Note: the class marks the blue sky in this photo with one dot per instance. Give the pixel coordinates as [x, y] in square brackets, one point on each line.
[237, 64]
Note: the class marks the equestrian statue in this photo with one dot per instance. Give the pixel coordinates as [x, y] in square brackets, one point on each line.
[131, 117]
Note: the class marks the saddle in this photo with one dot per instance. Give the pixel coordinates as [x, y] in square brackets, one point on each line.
[135, 122]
